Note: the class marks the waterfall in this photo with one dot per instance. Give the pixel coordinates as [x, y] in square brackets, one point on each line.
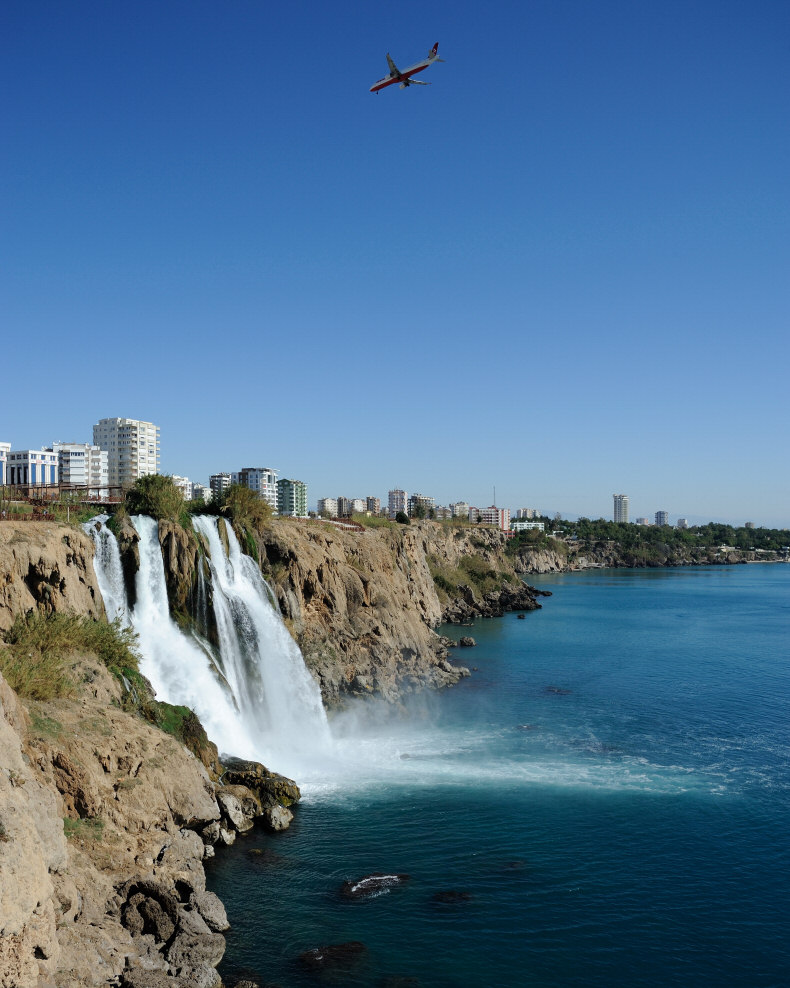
[109, 572]
[256, 698]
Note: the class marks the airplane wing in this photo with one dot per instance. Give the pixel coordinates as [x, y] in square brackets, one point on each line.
[392, 65]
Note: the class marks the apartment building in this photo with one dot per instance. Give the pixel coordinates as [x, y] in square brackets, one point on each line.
[397, 500]
[662, 517]
[496, 516]
[620, 508]
[184, 484]
[373, 505]
[460, 509]
[32, 467]
[327, 506]
[200, 492]
[343, 507]
[292, 498]
[262, 480]
[522, 525]
[83, 465]
[219, 483]
[421, 503]
[132, 448]
[5, 449]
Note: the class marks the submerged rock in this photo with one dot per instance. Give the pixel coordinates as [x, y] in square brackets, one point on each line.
[451, 897]
[334, 957]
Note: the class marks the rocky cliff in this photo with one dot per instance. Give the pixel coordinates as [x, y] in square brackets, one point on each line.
[46, 567]
[363, 604]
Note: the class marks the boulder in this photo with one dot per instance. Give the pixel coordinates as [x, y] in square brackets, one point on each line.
[277, 817]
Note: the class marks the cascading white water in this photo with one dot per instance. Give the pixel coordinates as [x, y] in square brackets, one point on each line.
[262, 663]
[255, 699]
[109, 572]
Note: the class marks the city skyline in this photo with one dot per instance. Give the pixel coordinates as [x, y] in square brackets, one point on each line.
[566, 278]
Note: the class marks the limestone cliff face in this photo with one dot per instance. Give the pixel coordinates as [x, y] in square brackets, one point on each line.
[131, 797]
[48, 567]
[361, 605]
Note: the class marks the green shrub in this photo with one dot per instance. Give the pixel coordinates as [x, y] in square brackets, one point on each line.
[157, 496]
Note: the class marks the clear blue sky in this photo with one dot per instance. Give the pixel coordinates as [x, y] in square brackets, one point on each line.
[563, 269]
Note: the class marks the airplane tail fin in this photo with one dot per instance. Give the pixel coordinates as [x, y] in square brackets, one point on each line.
[433, 54]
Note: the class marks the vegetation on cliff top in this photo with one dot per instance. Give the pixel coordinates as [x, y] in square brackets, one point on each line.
[472, 571]
[36, 659]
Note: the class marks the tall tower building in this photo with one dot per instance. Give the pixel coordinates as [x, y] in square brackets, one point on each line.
[397, 500]
[662, 518]
[132, 449]
[621, 507]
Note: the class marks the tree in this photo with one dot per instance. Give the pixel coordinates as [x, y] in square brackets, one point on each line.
[402, 518]
[156, 495]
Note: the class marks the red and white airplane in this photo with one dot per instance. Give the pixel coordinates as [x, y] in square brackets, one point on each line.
[405, 77]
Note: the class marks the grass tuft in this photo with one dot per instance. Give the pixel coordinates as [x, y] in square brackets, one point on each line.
[36, 660]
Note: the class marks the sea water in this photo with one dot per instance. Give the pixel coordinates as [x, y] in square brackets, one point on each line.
[605, 802]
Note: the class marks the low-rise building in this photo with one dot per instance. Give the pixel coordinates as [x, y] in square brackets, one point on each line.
[32, 467]
[5, 449]
[522, 525]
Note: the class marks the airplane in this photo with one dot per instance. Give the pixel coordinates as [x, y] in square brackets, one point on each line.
[405, 77]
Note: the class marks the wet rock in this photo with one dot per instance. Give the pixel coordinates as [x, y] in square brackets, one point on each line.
[270, 787]
[371, 885]
[467, 642]
[212, 910]
[190, 952]
[277, 817]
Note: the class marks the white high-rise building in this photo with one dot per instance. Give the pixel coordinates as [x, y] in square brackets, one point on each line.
[398, 500]
[262, 480]
[662, 517]
[132, 449]
[621, 508]
[83, 465]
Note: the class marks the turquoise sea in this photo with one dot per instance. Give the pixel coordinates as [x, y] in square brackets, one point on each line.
[605, 802]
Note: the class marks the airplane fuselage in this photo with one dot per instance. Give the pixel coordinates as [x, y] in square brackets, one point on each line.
[401, 77]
